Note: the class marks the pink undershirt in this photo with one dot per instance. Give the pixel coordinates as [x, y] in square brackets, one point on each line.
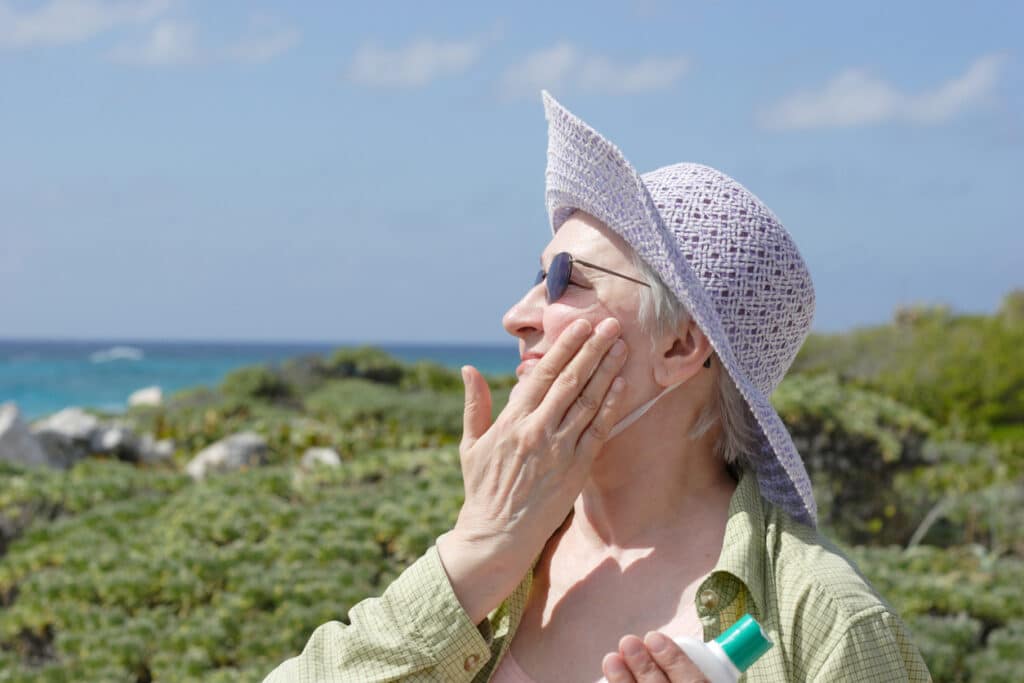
[509, 671]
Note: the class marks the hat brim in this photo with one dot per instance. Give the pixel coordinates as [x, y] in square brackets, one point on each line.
[585, 171]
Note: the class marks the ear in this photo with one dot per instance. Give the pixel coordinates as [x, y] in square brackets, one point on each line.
[681, 355]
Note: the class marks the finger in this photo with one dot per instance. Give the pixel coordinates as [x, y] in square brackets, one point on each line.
[672, 660]
[586, 406]
[532, 388]
[573, 378]
[615, 670]
[639, 661]
[600, 428]
[476, 416]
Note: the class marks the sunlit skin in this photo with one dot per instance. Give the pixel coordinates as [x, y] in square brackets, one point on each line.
[648, 488]
[648, 512]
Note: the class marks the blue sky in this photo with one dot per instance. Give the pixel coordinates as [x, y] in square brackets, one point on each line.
[374, 171]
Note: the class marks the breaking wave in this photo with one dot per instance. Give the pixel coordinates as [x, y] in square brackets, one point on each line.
[116, 353]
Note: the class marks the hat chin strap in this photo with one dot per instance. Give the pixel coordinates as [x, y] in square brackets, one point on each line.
[625, 422]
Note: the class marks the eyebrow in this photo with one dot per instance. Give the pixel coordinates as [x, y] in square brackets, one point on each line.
[575, 260]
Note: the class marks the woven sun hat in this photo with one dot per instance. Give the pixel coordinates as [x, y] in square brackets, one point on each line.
[726, 257]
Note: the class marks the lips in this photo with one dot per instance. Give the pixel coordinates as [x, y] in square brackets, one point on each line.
[528, 363]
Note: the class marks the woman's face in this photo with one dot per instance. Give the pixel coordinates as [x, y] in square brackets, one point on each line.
[591, 295]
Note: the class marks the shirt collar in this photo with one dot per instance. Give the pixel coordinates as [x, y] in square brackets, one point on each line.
[743, 547]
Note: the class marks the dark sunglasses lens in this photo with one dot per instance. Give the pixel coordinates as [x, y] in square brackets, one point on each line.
[558, 276]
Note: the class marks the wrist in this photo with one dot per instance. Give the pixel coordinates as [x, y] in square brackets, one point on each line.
[480, 573]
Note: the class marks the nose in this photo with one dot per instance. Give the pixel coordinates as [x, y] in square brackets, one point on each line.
[526, 315]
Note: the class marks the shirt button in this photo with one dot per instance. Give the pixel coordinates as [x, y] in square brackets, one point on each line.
[708, 599]
[471, 662]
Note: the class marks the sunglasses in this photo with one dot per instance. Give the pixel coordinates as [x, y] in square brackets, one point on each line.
[559, 273]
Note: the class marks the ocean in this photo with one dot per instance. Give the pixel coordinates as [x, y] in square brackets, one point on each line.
[42, 377]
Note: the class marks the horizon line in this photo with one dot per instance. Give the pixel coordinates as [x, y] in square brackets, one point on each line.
[266, 342]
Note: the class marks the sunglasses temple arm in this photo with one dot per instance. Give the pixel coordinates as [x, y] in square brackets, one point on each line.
[610, 272]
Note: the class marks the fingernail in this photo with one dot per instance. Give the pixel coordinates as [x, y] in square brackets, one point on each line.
[617, 348]
[615, 666]
[656, 642]
[609, 327]
[581, 327]
[632, 647]
[617, 384]
[465, 375]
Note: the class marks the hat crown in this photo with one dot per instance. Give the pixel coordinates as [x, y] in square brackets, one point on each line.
[746, 261]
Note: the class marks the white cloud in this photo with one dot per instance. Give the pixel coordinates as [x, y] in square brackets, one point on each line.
[175, 43]
[265, 40]
[855, 98]
[600, 73]
[170, 43]
[62, 22]
[413, 65]
[542, 69]
[166, 42]
[564, 66]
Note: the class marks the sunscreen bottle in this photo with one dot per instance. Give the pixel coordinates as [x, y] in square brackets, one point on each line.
[724, 659]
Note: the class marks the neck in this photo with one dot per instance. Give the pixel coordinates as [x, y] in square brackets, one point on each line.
[652, 482]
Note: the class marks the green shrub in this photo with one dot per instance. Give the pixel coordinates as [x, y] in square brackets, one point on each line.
[366, 362]
[430, 376]
[961, 370]
[853, 443]
[256, 382]
[142, 571]
[1002, 659]
[945, 642]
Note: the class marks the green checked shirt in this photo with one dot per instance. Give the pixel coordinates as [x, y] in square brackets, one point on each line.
[826, 621]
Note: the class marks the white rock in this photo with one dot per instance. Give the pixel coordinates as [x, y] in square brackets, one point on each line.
[235, 452]
[150, 396]
[321, 456]
[116, 440]
[74, 423]
[151, 451]
[17, 443]
[66, 436]
[60, 450]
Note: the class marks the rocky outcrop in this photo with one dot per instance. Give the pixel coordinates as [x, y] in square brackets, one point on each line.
[17, 443]
[320, 456]
[236, 452]
[67, 436]
[72, 434]
[150, 396]
[72, 423]
[117, 440]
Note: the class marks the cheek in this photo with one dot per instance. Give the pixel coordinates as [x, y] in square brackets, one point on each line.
[559, 316]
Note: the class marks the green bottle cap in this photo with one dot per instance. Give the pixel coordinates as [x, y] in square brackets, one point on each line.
[744, 642]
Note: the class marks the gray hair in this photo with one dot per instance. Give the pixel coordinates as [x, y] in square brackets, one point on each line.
[661, 312]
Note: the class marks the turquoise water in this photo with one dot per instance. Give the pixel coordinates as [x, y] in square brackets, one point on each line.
[43, 377]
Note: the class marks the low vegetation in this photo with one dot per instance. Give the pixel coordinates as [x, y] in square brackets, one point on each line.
[913, 433]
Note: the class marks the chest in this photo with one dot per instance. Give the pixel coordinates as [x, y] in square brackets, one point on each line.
[576, 614]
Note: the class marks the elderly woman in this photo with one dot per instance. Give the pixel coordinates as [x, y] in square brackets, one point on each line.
[638, 486]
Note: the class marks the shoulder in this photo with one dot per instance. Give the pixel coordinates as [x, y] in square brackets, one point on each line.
[828, 607]
[806, 565]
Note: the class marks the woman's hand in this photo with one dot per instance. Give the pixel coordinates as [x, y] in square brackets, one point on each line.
[523, 472]
[655, 659]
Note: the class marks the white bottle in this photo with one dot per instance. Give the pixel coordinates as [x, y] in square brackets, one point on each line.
[724, 659]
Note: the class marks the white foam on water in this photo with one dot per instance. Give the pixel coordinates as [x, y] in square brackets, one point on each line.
[116, 353]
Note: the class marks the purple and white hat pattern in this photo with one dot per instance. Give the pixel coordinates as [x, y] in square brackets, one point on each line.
[722, 252]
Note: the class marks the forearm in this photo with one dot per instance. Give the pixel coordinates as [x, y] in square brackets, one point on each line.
[480, 574]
